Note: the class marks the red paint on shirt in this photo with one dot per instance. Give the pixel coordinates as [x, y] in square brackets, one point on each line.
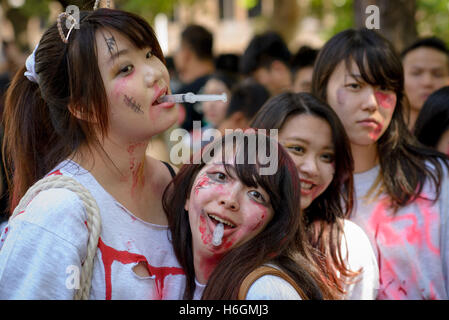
[109, 255]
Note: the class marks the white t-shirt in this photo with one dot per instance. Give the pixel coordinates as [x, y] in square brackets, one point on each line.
[267, 287]
[43, 248]
[355, 246]
[411, 246]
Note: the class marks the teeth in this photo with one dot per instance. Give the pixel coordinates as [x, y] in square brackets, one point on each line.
[305, 185]
[221, 220]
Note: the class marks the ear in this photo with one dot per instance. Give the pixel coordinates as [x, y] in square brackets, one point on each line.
[186, 206]
[76, 112]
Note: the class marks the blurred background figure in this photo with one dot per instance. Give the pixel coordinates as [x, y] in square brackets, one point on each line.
[246, 99]
[266, 59]
[426, 69]
[432, 124]
[194, 62]
[228, 63]
[175, 83]
[302, 68]
[215, 111]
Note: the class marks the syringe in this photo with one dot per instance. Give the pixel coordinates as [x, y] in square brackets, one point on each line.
[218, 234]
[192, 98]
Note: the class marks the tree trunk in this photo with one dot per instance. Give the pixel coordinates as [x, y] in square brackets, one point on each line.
[285, 18]
[397, 20]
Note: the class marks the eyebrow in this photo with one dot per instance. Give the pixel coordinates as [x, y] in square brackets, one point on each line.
[304, 141]
[228, 167]
[117, 54]
[357, 77]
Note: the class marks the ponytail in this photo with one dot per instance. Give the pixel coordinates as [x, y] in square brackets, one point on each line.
[29, 136]
[40, 129]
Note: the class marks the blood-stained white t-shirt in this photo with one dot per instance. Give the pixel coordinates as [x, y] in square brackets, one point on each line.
[411, 245]
[42, 249]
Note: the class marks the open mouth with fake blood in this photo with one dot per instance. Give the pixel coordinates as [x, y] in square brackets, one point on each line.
[212, 221]
[307, 186]
[216, 220]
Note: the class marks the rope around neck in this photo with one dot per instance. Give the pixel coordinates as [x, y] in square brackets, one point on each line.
[93, 222]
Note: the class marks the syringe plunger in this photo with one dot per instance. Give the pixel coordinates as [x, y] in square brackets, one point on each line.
[192, 98]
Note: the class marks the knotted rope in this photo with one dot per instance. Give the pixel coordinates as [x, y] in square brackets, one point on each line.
[93, 221]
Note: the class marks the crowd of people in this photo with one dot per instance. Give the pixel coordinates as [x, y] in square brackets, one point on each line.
[357, 207]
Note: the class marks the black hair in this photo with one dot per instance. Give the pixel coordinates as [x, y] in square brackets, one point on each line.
[403, 161]
[429, 42]
[247, 97]
[228, 79]
[199, 40]
[305, 57]
[228, 62]
[262, 51]
[433, 119]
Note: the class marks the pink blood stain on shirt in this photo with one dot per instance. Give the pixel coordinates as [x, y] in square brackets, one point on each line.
[109, 255]
[387, 233]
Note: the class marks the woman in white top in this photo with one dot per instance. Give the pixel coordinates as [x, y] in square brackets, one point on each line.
[87, 108]
[316, 140]
[234, 209]
[401, 187]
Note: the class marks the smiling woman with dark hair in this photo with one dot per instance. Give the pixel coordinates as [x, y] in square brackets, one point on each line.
[259, 216]
[316, 140]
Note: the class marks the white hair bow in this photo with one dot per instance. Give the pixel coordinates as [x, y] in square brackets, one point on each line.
[30, 64]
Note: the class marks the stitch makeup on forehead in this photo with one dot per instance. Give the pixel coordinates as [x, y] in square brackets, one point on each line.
[111, 43]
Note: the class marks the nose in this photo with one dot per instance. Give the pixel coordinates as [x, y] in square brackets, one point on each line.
[152, 75]
[308, 166]
[229, 199]
[370, 104]
[427, 79]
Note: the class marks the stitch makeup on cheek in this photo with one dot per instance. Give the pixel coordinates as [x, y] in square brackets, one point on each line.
[131, 102]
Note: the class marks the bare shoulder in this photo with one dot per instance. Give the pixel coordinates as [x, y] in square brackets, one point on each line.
[161, 175]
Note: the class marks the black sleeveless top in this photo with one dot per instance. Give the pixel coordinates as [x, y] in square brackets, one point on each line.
[170, 168]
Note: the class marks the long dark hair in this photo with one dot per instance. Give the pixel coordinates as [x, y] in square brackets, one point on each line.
[324, 216]
[405, 164]
[282, 237]
[433, 119]
[40, 130]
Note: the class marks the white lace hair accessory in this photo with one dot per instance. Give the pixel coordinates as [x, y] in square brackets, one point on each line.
[30, 63]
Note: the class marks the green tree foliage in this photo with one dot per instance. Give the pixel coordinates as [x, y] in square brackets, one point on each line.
[432, 15]
[432, 18]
